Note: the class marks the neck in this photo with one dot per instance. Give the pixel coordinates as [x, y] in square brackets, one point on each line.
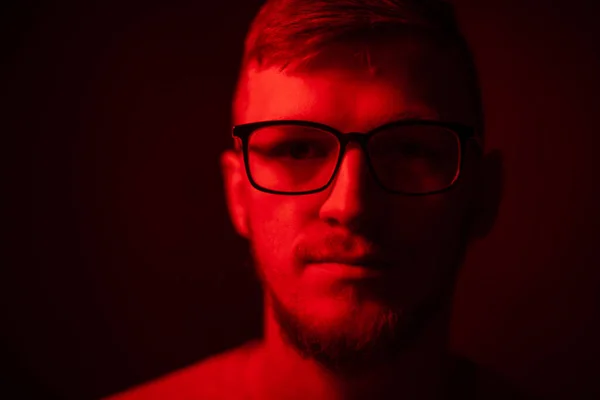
[419, 372]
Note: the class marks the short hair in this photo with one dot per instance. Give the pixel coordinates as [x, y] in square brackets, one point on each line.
[290, 33]
[297, 30]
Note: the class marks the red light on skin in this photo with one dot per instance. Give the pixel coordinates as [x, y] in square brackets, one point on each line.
[343, 271]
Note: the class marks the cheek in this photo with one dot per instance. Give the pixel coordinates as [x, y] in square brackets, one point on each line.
[275, 222]
[430, 231]
[431, 224]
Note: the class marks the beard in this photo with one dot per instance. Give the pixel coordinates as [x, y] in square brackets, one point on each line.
[350, 353]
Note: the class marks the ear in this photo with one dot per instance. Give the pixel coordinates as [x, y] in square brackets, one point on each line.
[488, 194]
[234, 177]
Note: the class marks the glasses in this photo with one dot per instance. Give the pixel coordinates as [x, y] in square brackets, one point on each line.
[410, 157]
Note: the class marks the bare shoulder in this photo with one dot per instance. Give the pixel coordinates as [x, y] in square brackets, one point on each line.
[217, 377]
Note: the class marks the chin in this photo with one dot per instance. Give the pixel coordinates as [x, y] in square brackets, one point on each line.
[340, 333]
[348, 332]
[345, 313]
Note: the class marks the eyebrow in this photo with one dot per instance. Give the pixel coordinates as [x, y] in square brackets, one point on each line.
[414, 115]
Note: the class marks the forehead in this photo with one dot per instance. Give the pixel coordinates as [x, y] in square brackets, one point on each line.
[355, 90]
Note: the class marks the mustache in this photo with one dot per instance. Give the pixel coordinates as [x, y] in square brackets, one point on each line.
[340, 247]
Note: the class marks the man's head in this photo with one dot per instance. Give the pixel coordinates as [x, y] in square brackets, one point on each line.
[353, 66]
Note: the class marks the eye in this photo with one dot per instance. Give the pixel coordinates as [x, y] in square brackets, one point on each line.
[406, 149]
[298, 150]
[293, 144]
[413, 149]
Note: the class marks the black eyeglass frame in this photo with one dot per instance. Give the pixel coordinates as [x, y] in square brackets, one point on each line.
[462, 132]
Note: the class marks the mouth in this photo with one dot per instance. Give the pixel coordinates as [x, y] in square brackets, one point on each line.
[365, 260]
[344, 270]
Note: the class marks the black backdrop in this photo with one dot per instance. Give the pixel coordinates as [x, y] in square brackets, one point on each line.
[123, 265]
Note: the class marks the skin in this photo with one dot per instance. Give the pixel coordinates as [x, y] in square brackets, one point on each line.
[424, 237]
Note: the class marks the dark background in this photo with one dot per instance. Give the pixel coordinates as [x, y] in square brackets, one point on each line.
[122, 263]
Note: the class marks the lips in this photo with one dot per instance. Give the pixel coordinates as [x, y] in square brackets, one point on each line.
[340, 247]
[370, 261]
[343, 271]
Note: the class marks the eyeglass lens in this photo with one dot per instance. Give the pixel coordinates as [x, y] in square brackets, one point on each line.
[406, 158]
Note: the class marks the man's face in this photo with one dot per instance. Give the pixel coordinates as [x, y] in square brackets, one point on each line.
[422, 238]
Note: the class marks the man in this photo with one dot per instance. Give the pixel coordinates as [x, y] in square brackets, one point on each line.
[358, 177]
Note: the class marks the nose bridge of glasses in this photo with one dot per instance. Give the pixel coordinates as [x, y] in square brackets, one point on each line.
[353, 137]
[352, 159]
[354, 141]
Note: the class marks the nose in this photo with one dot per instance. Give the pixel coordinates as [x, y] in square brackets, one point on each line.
[349, 193]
